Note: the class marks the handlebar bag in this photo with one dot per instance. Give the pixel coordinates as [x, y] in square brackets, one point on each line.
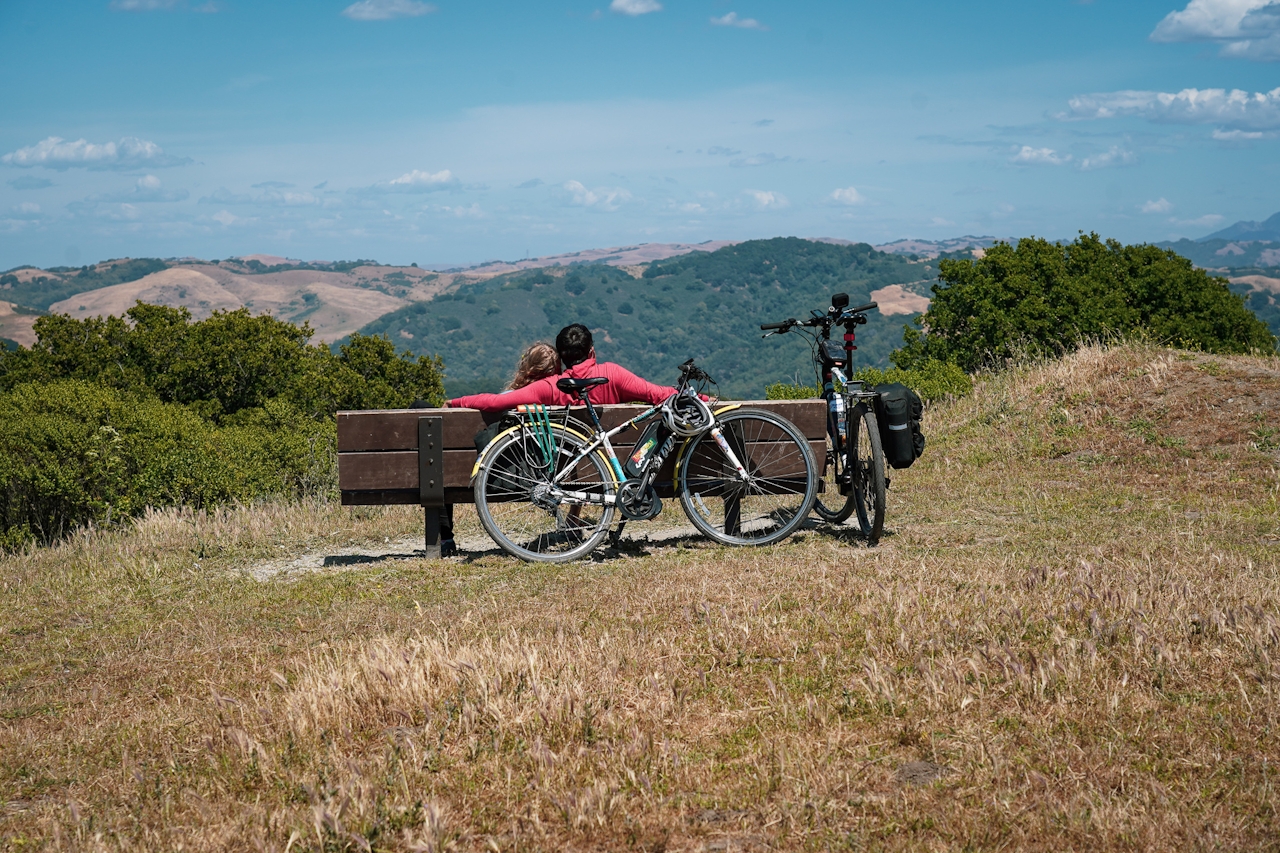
[899, 409]
[832, 354]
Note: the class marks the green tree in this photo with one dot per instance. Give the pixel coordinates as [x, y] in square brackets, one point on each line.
[228, 363]
[1043, 297]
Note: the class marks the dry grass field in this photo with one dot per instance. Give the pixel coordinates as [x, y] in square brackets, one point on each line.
[1068, 641]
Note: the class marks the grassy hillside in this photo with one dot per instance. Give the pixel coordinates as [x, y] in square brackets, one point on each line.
[705, 305]
[1067, 641]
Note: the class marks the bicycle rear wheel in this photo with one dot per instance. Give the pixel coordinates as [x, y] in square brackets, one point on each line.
[779, 489]
[866, 467]
[527, 514]
[831, 504]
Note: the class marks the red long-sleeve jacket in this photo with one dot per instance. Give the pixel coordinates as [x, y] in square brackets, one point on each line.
[623, 387]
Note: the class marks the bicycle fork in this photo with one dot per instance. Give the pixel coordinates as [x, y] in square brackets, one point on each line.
[718, 434]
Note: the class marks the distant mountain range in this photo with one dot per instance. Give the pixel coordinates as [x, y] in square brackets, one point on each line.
[1268, 229]
[340, 297]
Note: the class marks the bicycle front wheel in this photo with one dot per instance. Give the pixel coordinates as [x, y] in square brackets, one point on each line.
[834, 502]
[545, 510]
[866, 468]
[770, 501]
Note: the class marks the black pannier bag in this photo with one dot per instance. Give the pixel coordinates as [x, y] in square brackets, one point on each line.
[898, 410]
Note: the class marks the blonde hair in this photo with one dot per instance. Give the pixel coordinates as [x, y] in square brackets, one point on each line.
[538, 361]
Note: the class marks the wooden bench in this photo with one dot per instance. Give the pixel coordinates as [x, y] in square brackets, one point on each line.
[425, 456]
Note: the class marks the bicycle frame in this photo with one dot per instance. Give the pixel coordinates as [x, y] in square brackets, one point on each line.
[601, 442]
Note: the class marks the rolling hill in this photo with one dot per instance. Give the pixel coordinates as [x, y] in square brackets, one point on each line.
[706, 305]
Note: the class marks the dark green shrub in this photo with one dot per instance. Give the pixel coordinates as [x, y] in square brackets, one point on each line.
[1045, 298]
[932, 380]
[74, 453]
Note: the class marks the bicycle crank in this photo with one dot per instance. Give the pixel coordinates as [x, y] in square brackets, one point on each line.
[638, 504]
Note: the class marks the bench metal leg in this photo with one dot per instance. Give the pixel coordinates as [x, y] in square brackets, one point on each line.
[439, 531]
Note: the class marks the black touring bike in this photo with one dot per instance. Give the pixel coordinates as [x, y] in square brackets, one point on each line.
[854, 480]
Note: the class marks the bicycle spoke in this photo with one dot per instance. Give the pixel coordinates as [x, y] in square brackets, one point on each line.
[523, 503]
[770, 502]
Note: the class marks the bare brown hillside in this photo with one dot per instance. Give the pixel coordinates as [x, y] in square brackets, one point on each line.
[334, 303]
[15, 324]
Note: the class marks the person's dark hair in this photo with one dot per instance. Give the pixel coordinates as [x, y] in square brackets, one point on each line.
[574, 344]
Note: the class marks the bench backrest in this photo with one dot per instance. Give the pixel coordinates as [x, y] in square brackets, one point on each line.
[378, 459]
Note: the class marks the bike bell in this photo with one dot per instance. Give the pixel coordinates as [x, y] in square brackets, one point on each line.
[686, 415]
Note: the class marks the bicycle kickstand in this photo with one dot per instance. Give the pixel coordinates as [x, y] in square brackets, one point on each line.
[615, 535]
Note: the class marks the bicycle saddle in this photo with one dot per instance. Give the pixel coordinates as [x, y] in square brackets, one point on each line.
[580, 386]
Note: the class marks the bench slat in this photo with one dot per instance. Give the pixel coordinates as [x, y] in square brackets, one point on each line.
[378, 450]
[398, 470]
[397, 429]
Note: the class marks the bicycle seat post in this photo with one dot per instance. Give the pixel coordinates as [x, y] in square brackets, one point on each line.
[591, 410]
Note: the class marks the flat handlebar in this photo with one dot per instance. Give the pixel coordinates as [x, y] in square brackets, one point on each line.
[836, 316]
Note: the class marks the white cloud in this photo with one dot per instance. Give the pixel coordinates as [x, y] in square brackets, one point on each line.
[1028, 156]
[635, 7]
[1234, 109]
[1206, 221]
[848, 195]
[26, 208]
[941, 222]
[767, 199]
[604, 198]
[416, 181]
[732, 20]
[1162, 205]
[1116, 156]
[471, 212]
[1239, 135]
[385, 10]
[1248, 29]
[56, 153]
[226, 217]
[418, 178]
[148, 188]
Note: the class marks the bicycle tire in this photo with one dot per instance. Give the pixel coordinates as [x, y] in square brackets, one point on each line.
[866, 464]
[829, 504]
[512, 500]
[772, 504]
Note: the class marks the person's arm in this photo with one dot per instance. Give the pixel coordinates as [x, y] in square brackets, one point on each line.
[632, 389]
[535, 392]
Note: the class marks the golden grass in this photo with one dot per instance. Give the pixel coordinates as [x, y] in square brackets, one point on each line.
[1068, 642]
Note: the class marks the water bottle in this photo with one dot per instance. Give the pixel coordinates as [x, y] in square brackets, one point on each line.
[838, 414]
[838, 403]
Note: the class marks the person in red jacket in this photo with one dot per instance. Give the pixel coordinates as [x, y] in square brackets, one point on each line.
[577, 350]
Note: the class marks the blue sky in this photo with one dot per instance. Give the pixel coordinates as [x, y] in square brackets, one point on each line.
[457, 132]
